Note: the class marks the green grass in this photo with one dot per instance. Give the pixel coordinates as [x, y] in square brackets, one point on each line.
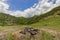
[53, 23]
[10, 37]
[46, 36]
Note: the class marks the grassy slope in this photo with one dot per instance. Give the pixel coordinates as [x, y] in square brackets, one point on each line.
[53, 12]
[6, 19]
[53, 23]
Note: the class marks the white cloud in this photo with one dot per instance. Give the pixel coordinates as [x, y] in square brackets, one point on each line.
[42, 7]
[3, 6]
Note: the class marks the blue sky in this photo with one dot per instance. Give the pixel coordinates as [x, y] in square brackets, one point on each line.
[27, 8]
[21, 4]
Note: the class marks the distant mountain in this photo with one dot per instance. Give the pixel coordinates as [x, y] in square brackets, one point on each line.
[6, 19]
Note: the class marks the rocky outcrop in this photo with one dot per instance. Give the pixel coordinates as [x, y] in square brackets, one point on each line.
[27, 34]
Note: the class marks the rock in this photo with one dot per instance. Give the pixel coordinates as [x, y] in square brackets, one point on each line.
[19, 36]
[26, 34]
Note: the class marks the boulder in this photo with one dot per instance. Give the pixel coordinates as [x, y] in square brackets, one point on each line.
[27, 34]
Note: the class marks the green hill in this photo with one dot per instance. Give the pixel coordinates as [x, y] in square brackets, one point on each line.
[6, 19]
[50, 19]
[54, 12]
